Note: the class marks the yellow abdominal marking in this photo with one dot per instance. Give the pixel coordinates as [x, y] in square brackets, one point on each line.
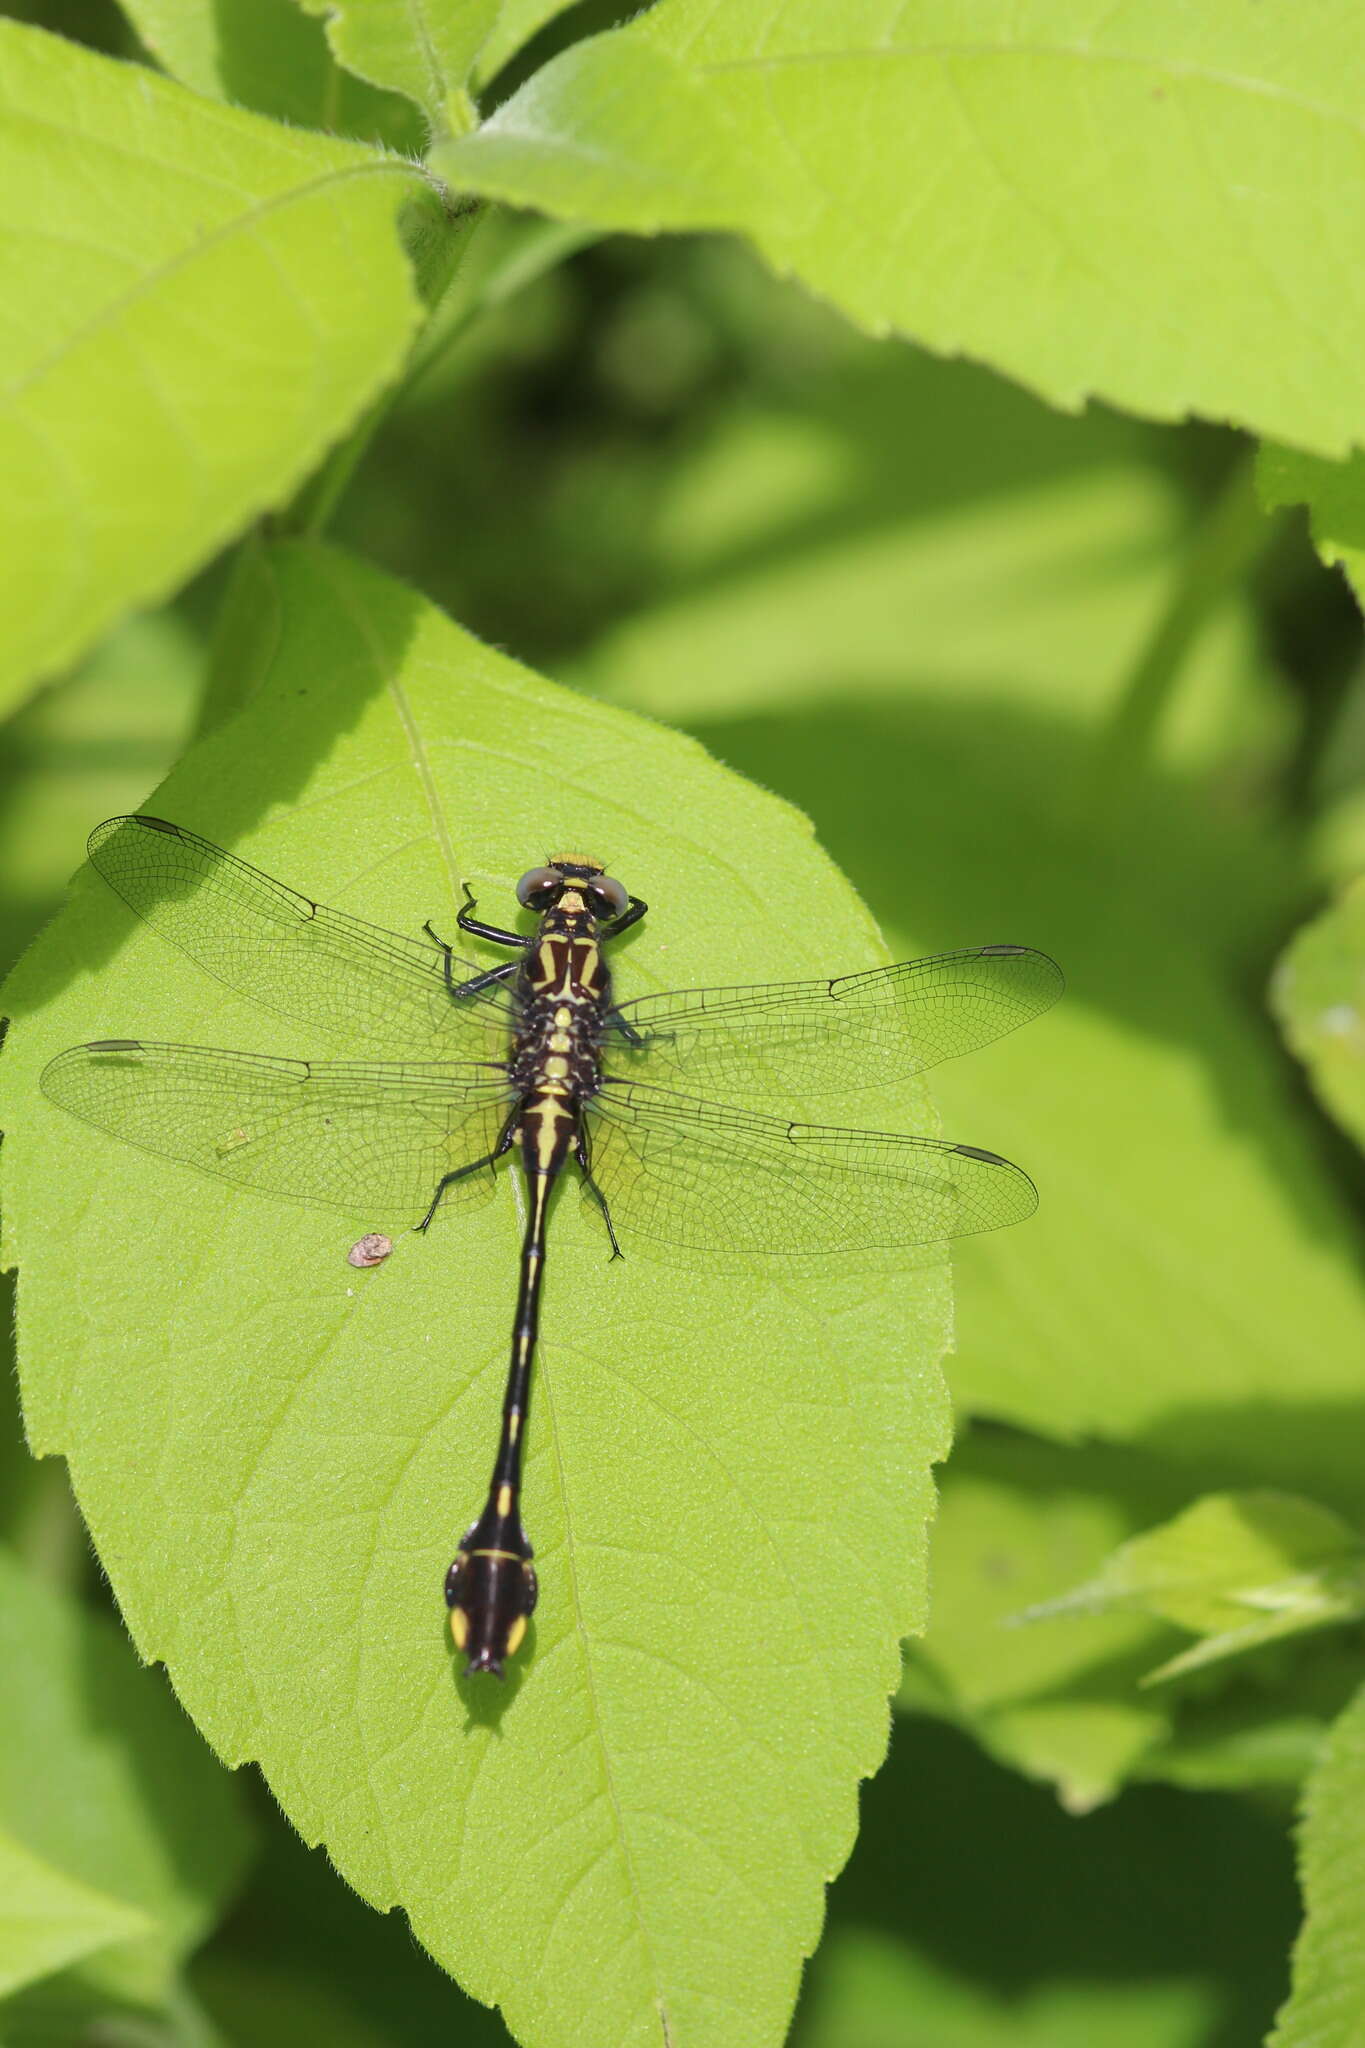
[514, 1425]
[459, 1626]
[515, 1634]
[504, 1500]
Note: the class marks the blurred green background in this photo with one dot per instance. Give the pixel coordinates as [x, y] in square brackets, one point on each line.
[1036, 678]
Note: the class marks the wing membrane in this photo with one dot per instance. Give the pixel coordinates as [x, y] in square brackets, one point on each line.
[355, 980]
[709, 1178]
[345, 1134]
[800, 1038]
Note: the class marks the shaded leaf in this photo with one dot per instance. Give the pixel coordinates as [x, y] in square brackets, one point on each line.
[1319, 997]
[48, 1919]
[269, 56]
[1190, 1281]
[424, 49]
[1123, 1928]
[103, 1784]
[1240, 1569]
[199, 302]
[1097, 204]
[645, 1819]
[1334, 493]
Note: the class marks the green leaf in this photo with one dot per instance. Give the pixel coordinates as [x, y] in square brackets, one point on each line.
[198, 303]
[1334, 493]
[1319, 997]
[727, 1480]
[1017, 1519]
[48, 1919]
[267, 55]
[1097, 204]
[1328, 1997]
[140, 1836]
[1240, 1569]
[424, 49]
[1191, 1280]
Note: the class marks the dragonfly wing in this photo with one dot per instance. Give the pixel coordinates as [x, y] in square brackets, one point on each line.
[344, 1134]
[801, 1038]
[355, 980]
[710, 1178]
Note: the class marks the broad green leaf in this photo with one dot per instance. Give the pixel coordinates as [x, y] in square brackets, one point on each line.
[104, 1784]
[1334, 493]
[1239, 1569]
[269, 56]
[1159, 1922]
[727, 1470]
[1190, 1281]
[1100, 204]
[1328, 1998]
[1319, 997]
[196, 302]
[48, 1919]
[424, 49]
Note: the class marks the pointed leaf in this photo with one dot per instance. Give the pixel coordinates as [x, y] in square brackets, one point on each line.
[727, 1467]
[48, 1919]
[1097, 203]
[1328, 1997]
[425, 49]
[194, 303]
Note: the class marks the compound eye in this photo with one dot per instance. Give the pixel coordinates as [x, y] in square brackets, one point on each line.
[538, 882]
[610, 894]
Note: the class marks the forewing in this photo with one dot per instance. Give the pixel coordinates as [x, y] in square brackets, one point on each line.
[345, 1134]
[355, 980]
[707, 1177]
[788, 1040]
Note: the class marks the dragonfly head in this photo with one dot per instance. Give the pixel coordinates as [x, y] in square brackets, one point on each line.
[491, 1595]
[574, 885]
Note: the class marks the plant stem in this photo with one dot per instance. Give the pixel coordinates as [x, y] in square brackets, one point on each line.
[545, 245]
[1234, 534]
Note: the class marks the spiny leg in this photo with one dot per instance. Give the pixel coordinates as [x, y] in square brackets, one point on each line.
[478, 929]
[458, 1173]
[584, 1157]
[476, 982]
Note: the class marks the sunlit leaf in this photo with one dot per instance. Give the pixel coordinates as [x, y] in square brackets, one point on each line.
[195, 303]
[1097, 203]
[727, 1478]
[269, 56]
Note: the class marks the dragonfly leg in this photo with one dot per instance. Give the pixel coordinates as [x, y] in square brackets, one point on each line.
[617, 1022]
[632, 914]
[584, 1158]
[480, 930]
[448, 1180]
[476, 982]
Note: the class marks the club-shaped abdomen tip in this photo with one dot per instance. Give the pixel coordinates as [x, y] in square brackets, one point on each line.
[491, 1595]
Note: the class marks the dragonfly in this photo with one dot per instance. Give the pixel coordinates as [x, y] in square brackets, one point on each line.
[534, 1054]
